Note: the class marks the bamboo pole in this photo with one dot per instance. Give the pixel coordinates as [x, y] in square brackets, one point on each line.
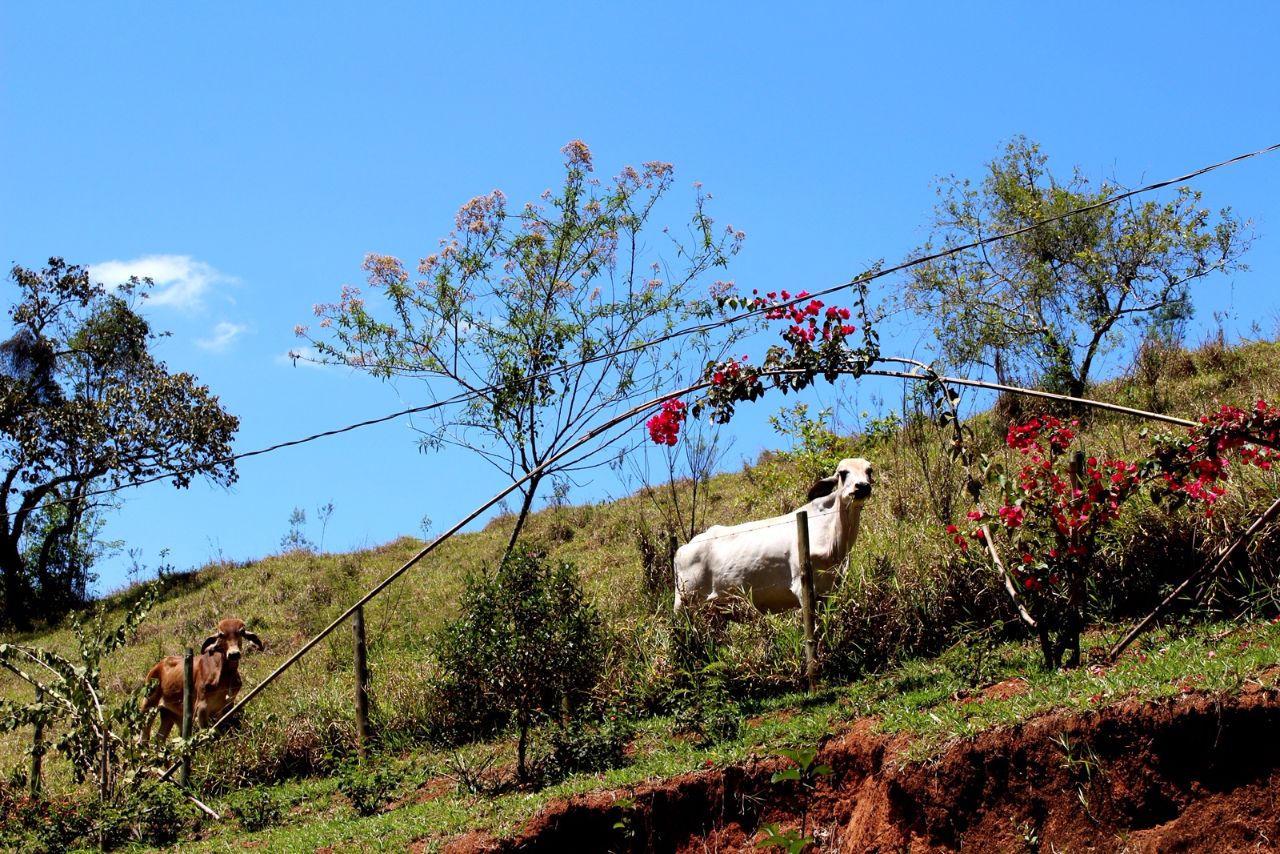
[1203, 572]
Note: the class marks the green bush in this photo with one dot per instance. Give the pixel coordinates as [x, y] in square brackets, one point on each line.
[581, 747]
[162, 813]
[39, 825]
[527, 646]
[258, 809]
[707, 708]
[369, 790]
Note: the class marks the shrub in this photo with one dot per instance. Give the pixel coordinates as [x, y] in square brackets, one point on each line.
[162, 813]
[707, 708]
[579, 747]
[526, 646]
[258, 809]
[40, 825]
[1056, 509]
[369, 790]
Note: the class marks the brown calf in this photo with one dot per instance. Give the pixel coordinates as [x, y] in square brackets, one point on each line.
[215, 672]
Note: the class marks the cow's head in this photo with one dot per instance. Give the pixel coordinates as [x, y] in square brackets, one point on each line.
[227, 639]
[852, 482]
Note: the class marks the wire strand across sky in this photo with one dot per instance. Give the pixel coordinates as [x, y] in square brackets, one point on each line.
[683, 332]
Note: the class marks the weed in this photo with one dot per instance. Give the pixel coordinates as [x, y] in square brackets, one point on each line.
[257, 809]
[1081, 765]
[1030, 839]
[369, 790]
[788, 840]
[471, 776]
[623, 825]
[805, 775]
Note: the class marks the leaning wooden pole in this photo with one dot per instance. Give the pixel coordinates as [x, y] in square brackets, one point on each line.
[586, 438]
[807, 600]
[1203, 572]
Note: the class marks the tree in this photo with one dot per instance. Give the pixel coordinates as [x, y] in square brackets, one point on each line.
[62, 566]
[85, 406]
[1049, 302]
[536, 316]
[526, 646]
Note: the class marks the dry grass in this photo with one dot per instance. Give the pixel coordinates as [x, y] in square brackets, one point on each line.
[906, 592]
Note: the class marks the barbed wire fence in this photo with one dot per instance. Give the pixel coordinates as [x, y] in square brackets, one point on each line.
[604, 436]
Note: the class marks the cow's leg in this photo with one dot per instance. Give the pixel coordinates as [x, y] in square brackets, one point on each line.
[167, 720]
[153, 700]
[797, 590]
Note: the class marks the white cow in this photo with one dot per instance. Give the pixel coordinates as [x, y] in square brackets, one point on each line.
[761, 558]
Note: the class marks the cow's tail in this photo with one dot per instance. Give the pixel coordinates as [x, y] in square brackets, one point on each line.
[678, 605]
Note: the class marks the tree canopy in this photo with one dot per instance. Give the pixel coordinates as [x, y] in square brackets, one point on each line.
[85, 406]
[535, 315]
[1044, 305]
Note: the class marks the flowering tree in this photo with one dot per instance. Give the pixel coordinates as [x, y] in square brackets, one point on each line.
[1050, 512]
[1053, 511]
[538, 317]
[818, 342]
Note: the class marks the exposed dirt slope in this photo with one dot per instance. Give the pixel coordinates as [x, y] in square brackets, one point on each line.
[1198, 774]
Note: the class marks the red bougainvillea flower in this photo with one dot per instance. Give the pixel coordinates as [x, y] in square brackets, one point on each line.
[664, 428]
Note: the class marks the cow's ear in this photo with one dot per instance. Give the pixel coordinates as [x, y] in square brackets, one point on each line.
[822, 487]
[252, 638]
[208, 642]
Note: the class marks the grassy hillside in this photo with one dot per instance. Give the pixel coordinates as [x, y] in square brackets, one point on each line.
[914, 620]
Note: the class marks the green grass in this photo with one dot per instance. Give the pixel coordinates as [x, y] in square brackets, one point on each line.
[930, 702]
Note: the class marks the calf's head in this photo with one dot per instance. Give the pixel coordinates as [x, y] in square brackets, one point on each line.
[227, 639]
[851, 483]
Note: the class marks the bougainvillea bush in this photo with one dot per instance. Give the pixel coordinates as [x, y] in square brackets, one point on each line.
[1051, 512]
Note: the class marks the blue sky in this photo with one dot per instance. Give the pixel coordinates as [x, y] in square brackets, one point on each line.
[248, 156]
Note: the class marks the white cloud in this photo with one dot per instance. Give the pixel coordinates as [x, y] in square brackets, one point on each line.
[223, 335]
[182, 282]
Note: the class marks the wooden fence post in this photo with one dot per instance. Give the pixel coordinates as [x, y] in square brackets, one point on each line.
[188, 710]
[37, 751]
[807, 598]
[362, 683]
